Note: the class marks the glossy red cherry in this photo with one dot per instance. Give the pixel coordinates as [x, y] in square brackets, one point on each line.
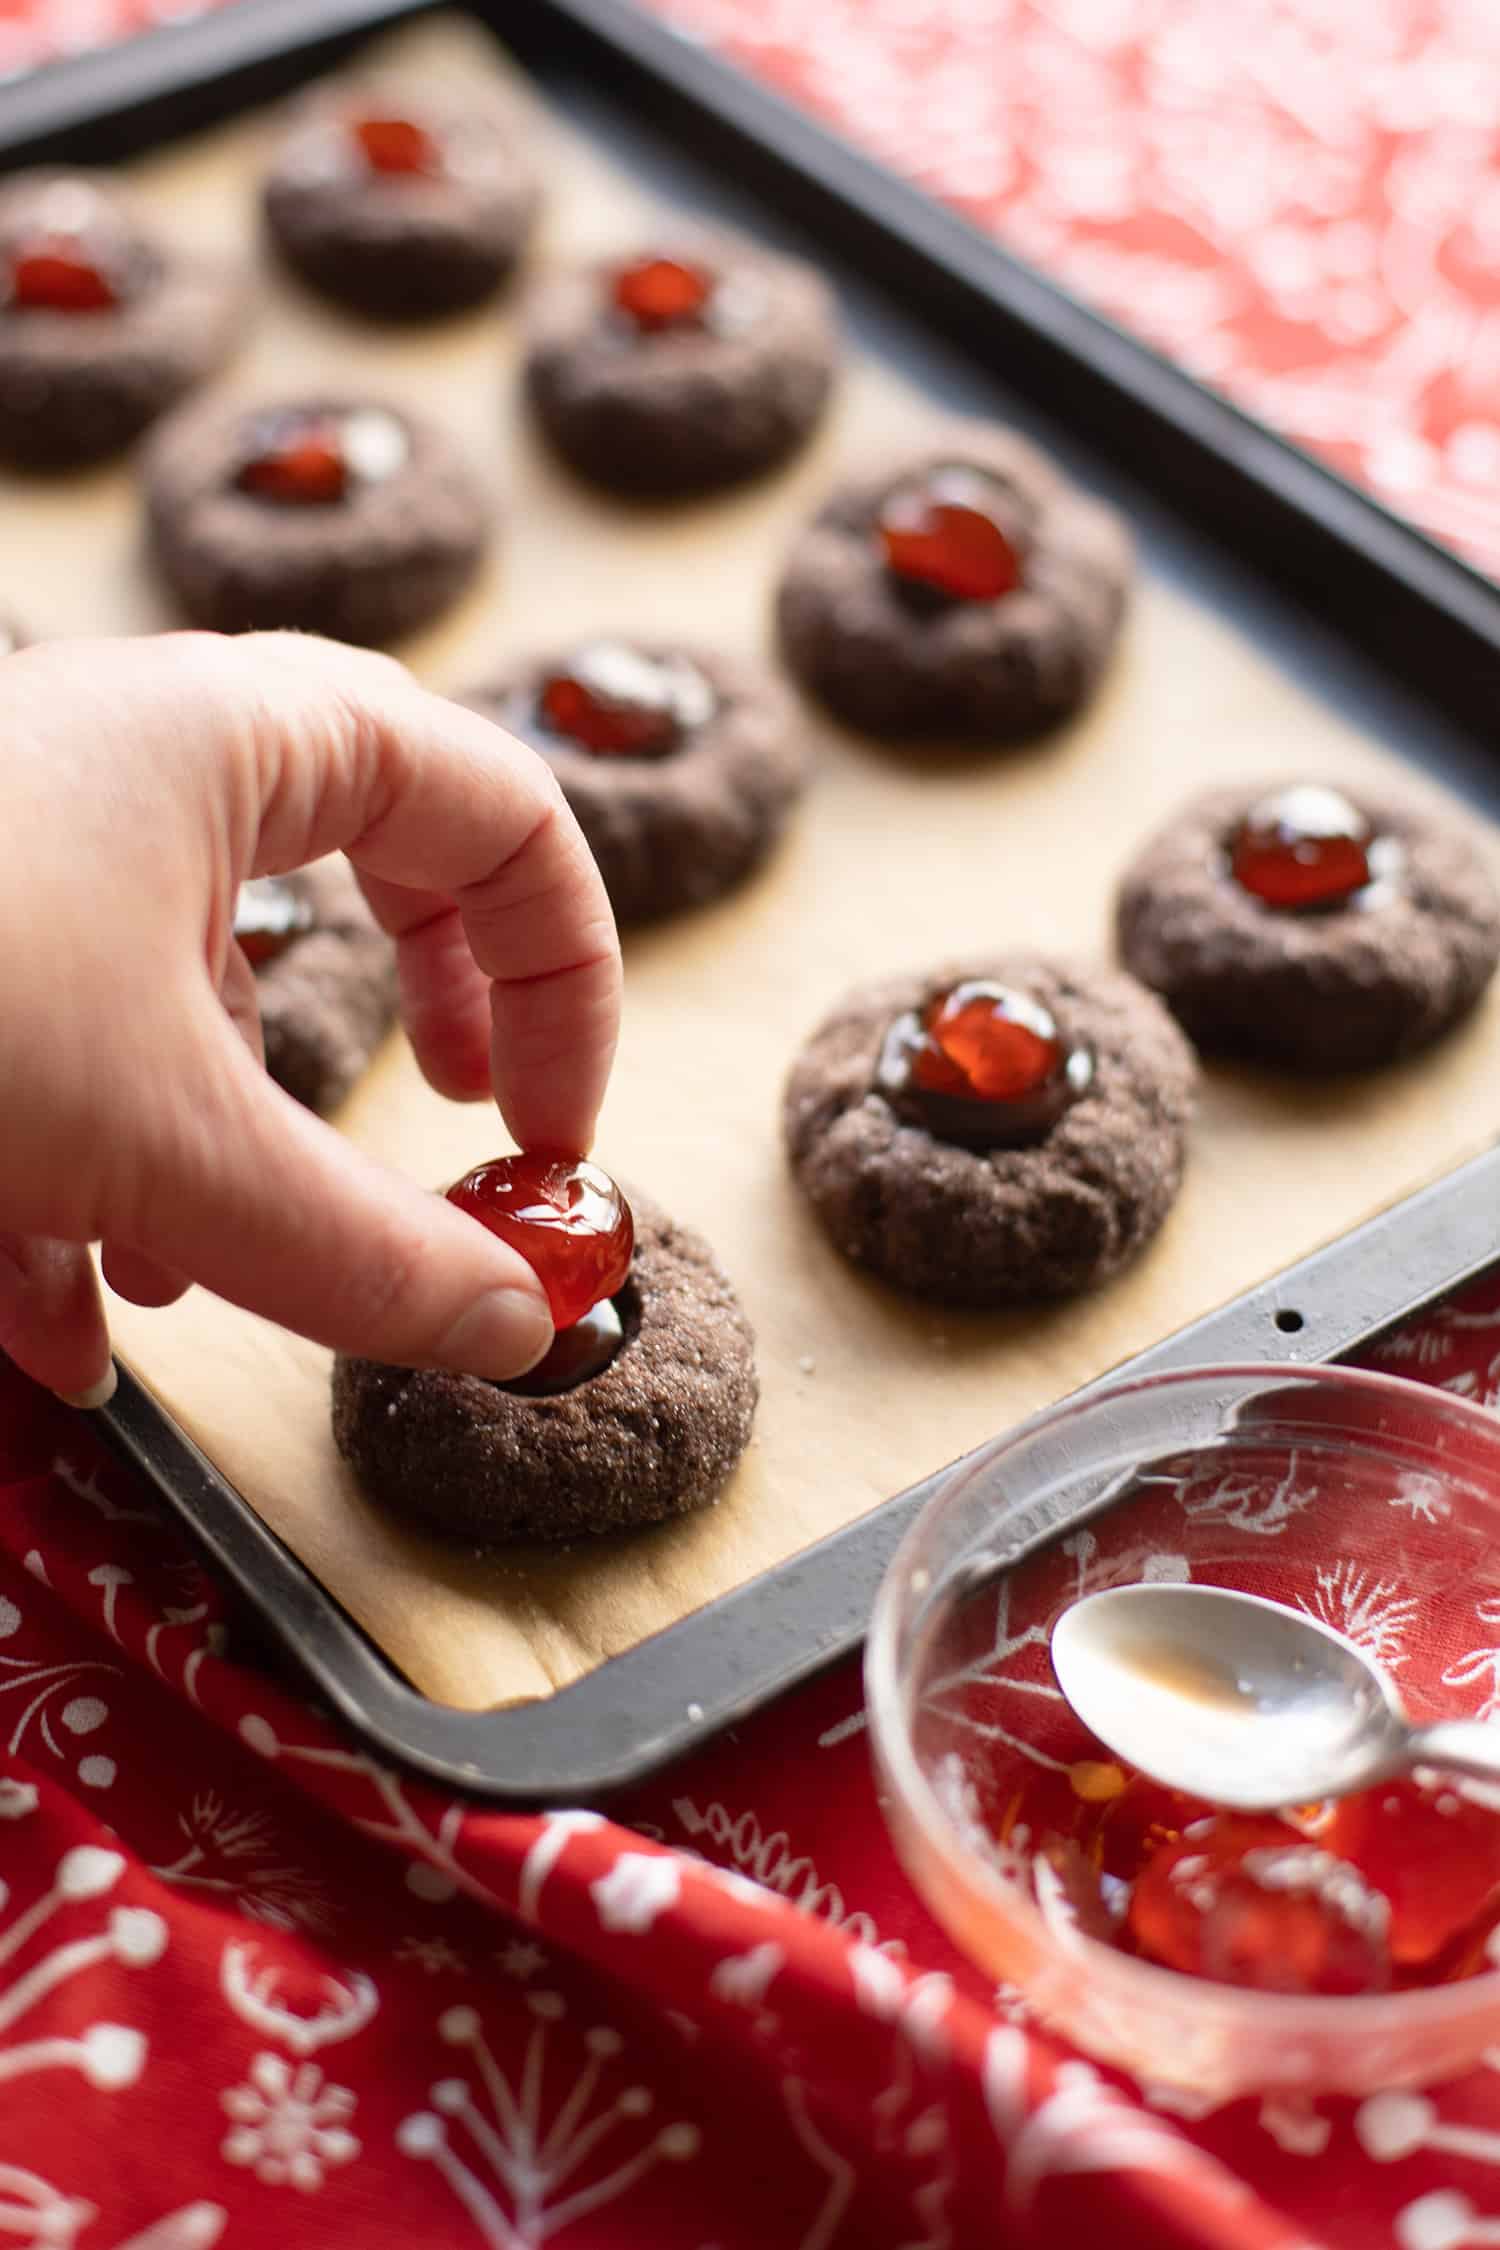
[298, 460]
[659, 293]
[396, 146]
[1435, 1855]
[566, 1217]
[1303, 848]
[613, 699]
[578, 1352]
[314, 457]
[60, 273]
[946, 533]
[1250, 1902]
[981, 1065]
[268, 916]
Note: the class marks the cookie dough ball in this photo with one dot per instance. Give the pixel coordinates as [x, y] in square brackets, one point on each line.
[101, 327]
[967, 590]
[325, 978]
[1318, 928]
[995, 1132]
[657, 1432]
[681, 765]
[682, 367]
[403, 202]
[339, 516]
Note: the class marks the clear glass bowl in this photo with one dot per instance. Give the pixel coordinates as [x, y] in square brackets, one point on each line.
[1371, 1502]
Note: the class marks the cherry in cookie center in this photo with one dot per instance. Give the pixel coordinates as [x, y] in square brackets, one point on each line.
[982, 1065]
[311, 457]
[615, 700]
[572, 1225]
[397, 147]
[951, 534]
[660, 294]
[70, 252]
[1309, 849]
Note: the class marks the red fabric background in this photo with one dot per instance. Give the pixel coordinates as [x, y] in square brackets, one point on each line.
[253, 1985]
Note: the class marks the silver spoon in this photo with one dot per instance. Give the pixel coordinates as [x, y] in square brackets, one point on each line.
[1243, 1701]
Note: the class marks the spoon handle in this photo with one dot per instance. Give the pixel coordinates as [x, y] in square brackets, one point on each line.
[1466, 1746]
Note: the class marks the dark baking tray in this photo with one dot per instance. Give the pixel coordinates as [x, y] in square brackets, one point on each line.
[1383, 624]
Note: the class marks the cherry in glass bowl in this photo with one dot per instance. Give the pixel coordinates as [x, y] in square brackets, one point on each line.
[1371, 1503]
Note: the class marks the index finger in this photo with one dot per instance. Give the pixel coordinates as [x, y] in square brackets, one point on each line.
[439, 809]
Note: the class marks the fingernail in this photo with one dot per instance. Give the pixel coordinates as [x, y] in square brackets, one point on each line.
[97, 1394]
[502, 1334]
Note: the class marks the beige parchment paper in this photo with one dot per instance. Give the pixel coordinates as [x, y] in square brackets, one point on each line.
[896, 861]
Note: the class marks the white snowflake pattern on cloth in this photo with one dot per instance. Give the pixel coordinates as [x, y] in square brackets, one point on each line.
[1480, 1664]
[635, 1891]
[252, 1992]
[510, 2174]
[46, 1692]
[37, 2216]
[107, 2055]
[1421, 1498]
[290, 2126]
[1080, 2125]
[1393, 2126]
[1296, 2127]
[743, 1979]
[1371, 1612]
[1445, 2220]
[1242, 1503]
[235, 1854]
[771, 1863]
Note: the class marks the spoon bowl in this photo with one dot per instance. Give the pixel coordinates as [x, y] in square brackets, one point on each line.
[1243, 1701]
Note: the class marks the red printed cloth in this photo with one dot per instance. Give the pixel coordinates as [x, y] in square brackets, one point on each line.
[1297, 199]
[256, 1986]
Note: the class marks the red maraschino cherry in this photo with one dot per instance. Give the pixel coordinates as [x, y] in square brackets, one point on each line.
[565, 1216]
[660, 292]
[397, 146]
[61, 273]
[614, 700]
[946, 533]
[297, 460]
[1304, 848]
[1249, 1902]
[982, 1065]
[314, 457]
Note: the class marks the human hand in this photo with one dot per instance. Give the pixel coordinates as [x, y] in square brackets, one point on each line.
[141, 782]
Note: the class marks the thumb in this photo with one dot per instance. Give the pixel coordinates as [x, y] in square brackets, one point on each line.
[264, 1204]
